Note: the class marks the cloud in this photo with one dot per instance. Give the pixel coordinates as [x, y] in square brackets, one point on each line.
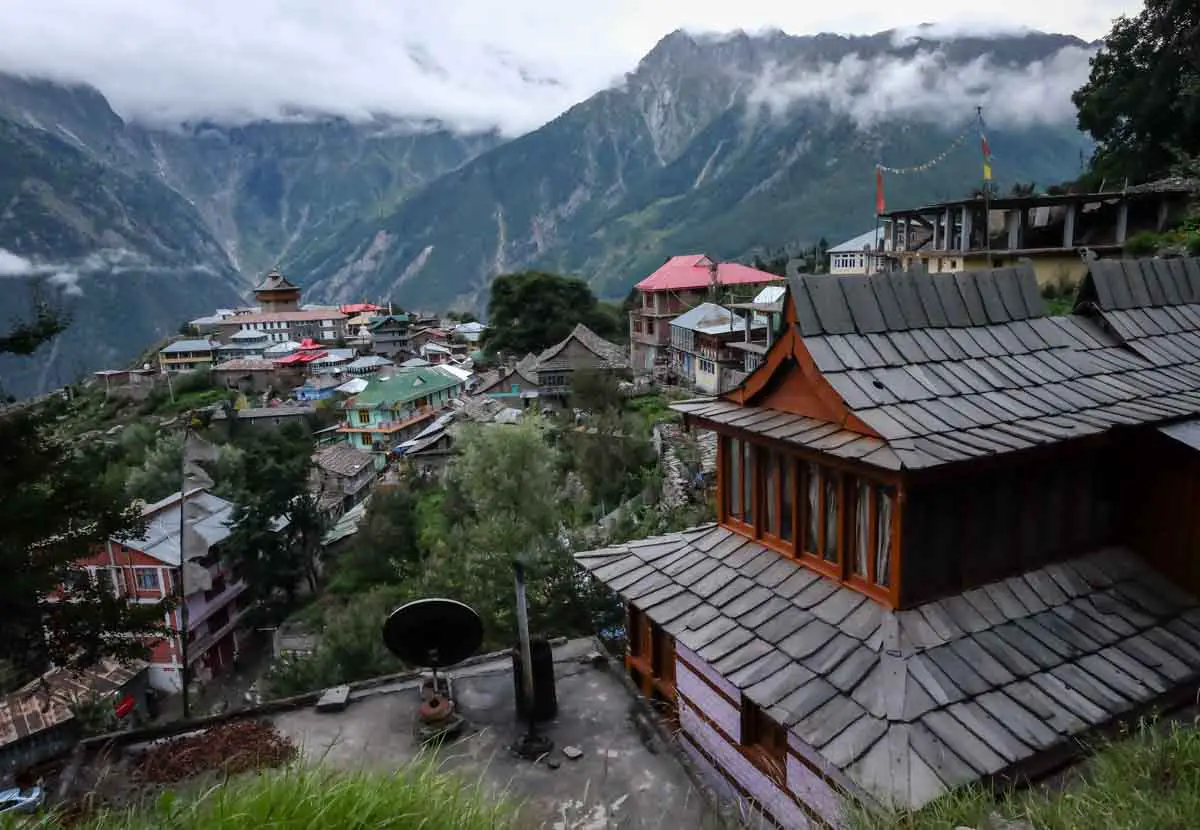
[59, 276]
[927, 87]
[474, 64]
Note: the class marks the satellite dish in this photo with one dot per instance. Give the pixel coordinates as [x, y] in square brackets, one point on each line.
[433, 632]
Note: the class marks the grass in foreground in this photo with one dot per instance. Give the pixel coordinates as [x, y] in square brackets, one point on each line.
[416, 796]
[1148, 779]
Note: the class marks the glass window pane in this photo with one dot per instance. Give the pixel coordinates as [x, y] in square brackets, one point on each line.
[748, 482]
[788, 498]
[733, 486]
[883, 545]
[862, 532]
[830, 507]
[812, 474]
[770, 480]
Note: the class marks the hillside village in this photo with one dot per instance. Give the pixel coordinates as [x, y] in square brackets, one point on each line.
[894, 532]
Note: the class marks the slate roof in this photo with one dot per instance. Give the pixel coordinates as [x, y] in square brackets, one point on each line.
[342, 459]
[948, 367]
[612, 354]
[46, 702]
[908, 704]
[274, 281]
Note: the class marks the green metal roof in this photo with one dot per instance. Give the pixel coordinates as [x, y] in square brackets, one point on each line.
[403, 386]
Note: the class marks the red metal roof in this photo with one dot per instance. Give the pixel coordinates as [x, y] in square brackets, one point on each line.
[693, 271]
[301, 357]
[308, 344]
[359, 308]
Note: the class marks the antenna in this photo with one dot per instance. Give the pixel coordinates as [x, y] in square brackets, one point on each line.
[434, 633]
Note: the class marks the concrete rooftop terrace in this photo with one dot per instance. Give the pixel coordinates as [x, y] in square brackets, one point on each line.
[625, 778]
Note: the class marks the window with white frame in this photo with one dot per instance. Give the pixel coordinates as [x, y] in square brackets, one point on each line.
[146, 579]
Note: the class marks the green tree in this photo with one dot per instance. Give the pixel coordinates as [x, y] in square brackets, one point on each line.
[56, 510]
[1141, 102]
[277, 528]
[611, 451]
[385, 547]
[531, 310]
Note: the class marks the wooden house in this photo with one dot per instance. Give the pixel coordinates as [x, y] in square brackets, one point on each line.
[515, 386]
[581, 350]
[954, 533]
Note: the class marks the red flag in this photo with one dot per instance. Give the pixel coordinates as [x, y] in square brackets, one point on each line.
[879, 190]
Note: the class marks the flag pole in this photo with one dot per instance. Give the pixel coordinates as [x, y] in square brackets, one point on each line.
[987, 188]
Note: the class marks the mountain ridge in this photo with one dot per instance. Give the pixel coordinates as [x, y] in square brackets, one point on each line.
[609, 188]
[720, 143]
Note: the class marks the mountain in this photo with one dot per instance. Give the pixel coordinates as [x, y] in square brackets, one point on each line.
[126, 257]
[156, 226]
[724, 145]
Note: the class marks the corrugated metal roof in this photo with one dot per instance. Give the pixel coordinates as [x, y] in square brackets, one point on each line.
[695, 271]
[212, 516]
[856, 244]
[909, 704]
[189, 346]
[710, 318]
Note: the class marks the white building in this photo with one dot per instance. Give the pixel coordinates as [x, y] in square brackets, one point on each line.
[851, 256]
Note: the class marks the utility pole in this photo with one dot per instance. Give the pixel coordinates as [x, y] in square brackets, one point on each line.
[183, 609]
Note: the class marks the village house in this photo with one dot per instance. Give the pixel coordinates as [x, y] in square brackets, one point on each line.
[852, 257]
[318, 388]
[342, 477]
[516, 386]
[368, 365]
[147, 569]
[766, 308]
[395, 407]
[1052, 231]
[264, 418]
[954, 535]
[187, 356]
[701, 356]
[37, 721]
[251, 375]
[682, 282]
[581, 350]
[390, 336]
[247, 343]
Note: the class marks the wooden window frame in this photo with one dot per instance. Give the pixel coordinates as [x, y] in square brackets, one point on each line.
[767, 476]
[816, 560]
[764, 742]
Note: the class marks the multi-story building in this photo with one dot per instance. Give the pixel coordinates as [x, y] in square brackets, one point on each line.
[148, 569]
[1052, 231]
[187, 356]
[683, 282]
[394, 407]
[342, 477]
[580, 351]
[320, 324]
[860, 255]
[954, 535]
[701, 341]
[390, 336]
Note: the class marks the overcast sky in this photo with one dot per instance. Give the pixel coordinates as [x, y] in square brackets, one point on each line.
[474, 63]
